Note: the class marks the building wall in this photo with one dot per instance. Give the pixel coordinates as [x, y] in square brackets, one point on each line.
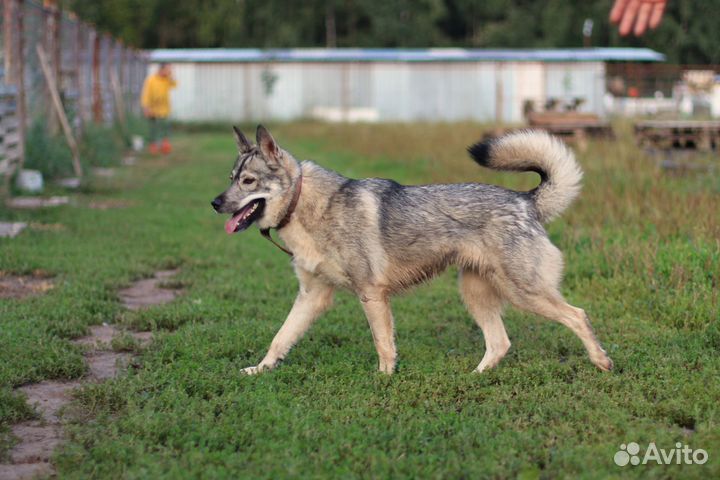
[384, 91]
[577, 80]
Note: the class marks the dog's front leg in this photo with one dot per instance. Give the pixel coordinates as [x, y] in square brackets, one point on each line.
[314, 297]
[379, 315]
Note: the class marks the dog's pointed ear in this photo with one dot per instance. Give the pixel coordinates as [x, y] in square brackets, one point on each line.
[268, 145]
[243, 143]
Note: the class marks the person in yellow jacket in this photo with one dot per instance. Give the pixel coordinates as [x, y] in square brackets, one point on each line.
[155, 101]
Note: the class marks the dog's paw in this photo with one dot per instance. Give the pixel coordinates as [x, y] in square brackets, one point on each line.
[252, 370]
[601, 360]
[605, 364]
[264, 366]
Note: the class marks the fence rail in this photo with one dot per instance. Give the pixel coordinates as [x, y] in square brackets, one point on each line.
[90, 68]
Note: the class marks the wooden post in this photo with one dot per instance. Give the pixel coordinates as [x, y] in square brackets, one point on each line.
[55, 95]
[109, 68]
[8, 54]
[97, 93]
[119, 102]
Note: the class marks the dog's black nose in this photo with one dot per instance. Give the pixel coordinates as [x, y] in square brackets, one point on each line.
[217, 203]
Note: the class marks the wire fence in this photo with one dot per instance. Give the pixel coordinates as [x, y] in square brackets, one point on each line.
[96, 77]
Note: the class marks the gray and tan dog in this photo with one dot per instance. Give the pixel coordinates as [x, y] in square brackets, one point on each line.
[376, 238]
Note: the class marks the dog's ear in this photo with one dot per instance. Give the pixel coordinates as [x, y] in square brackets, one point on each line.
[243, 143]
[268, 145]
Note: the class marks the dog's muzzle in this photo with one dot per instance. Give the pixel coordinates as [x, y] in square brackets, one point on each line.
[217, 203]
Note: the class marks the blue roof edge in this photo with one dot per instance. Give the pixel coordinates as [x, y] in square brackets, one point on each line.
[404, 55]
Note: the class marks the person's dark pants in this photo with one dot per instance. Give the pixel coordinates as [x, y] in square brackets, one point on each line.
[159, 129]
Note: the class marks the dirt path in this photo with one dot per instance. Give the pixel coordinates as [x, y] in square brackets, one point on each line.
[147, 292]
[30, 457]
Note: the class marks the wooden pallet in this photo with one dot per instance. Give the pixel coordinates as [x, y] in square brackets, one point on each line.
[573, 127]
[11, 148]
[668, 135]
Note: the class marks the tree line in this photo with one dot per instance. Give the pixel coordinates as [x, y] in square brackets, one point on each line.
[688, 33]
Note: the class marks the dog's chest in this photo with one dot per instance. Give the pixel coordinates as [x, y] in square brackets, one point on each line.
[308, 256]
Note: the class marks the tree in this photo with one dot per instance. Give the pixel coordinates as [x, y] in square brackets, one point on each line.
[688, 33]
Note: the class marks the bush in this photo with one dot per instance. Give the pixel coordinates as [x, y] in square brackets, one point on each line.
[47, 153]
[137, 125]
[101, 146]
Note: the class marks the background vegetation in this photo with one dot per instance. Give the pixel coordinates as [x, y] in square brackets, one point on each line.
[643, 257]
[100, 146]
[688, 34]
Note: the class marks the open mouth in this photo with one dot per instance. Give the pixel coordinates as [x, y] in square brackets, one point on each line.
[244, 217]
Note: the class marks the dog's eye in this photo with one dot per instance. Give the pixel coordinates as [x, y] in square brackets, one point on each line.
[248, 181]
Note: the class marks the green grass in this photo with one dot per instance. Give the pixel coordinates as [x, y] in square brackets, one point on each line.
[643, 258]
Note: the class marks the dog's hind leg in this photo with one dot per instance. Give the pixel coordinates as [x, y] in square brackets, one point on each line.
[377, 310]
[552, 305]
[314, 297]
[529, 279]
[485, 306]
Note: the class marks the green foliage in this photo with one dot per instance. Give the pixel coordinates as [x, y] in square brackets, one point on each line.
[136, 125]
[642, 259]
[688, 33]
[49, 154]
[101, 145]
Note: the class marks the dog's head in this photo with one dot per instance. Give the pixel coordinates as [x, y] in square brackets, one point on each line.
[260, 183]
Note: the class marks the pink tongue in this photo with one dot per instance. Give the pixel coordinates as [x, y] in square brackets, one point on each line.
[231, 224]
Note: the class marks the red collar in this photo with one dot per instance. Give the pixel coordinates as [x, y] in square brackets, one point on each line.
[293, 204]
[286, 219]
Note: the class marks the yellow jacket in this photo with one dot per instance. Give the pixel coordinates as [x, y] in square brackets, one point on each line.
[156, 95]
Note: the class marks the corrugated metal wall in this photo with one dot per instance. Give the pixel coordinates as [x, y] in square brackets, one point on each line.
[384, 91]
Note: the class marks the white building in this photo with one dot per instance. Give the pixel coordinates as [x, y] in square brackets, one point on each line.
[385, 85]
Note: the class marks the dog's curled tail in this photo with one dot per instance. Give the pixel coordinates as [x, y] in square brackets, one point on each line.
[535, 151]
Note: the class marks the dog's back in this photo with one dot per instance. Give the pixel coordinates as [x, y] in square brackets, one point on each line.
[401, 235]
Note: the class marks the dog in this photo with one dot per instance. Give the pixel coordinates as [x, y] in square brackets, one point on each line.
[376, 238]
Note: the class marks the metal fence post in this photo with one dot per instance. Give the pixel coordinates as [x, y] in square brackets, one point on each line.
[97, 94]
[77, 77]
[20, 79]
[50, 42]
[8, 22]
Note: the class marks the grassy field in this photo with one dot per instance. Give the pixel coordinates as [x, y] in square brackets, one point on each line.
[643, 259]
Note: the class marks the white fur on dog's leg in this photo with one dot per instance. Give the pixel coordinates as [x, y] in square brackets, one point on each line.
[387, 367]
[261, 367]
[379, 315]
[314, 297]
[602, 361]
[252, 370]
[485, 305]
[492, 358]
